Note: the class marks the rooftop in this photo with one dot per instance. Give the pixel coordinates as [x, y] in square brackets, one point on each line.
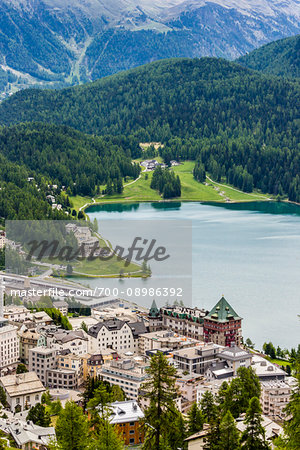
[154, 311]
[272, 428]
[26, 432]
[128, 411]
[222, 312]
[265, 368]
[193, 352]
[235, 353]
[65, 336]
[21, 384]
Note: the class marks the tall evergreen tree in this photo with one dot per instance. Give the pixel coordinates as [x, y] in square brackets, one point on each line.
[208, 407]
[195, 419]
[229, 434]
[107, 438]
[291, 438]
[160, 391]
[72, 429]
[253, 438]
[39, 416]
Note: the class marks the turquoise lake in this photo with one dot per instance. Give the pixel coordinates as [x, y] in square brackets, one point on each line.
[250, 253]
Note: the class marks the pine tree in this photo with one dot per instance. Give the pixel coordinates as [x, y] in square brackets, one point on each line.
[229, 434]
[195, 419]
[208, 407]
[291, 438]
[72, 428]
[161, 392]
[253, 438]
[107, 438]
[177, 433]
[21, 368]
[39, 416]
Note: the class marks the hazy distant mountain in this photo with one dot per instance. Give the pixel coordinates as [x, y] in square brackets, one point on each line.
[60, 42]
[277, 58]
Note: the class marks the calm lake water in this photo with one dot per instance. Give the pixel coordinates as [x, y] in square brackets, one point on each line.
[248, 252]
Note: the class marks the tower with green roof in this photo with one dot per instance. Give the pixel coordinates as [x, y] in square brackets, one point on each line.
[155, 318]
[222, 325]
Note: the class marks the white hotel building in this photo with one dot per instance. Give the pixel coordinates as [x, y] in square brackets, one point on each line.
[9, 345]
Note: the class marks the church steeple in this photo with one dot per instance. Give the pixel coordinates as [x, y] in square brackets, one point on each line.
[155, 318]
[154, 311]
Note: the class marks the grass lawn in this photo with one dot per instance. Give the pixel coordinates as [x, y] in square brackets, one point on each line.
[191, 190]
[79, 201]
[103, 268]
[280, 362]
[238, 196]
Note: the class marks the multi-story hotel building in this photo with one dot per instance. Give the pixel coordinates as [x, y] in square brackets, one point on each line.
[125, 373]
[222, 325]
[9, 345]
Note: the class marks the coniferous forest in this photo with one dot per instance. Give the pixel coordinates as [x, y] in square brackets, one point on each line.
[238, 124]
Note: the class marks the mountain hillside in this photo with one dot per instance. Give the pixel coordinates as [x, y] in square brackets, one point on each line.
[280, 58]
[56, 43]
[177, 96]
[237, 123]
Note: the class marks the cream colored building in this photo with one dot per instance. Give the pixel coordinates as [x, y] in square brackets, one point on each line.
[72, 362]
[196, 359]
[163, 339]
[183, 320]
[22, 391]
[9, 345]
[116, 334]
[2, 239]
[41, 359]
[188, 386]
[127, 373]
[199, 441]
[275, 395]
[28, 339]
[74, 341]
[16, 313]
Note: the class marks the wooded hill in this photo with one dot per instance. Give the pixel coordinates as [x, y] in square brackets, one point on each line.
[280, 58]
[53, 154]
[238, 122]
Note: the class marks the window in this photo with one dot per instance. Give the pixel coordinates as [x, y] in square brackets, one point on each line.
[131, 441]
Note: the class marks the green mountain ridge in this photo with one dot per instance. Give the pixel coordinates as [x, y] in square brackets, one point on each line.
[54, 154]
[53, 43]
[240, 124]
[280, 58]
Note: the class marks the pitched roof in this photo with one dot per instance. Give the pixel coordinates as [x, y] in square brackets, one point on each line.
[154, 311]
[222, 312]
[27, 432]
[127, 411]
[111, 325]
[137, 328]
[235, 353]
[22, 384]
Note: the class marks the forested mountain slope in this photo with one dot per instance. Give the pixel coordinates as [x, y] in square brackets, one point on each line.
[280, 58]
[238, 122]
[181, 97]
[36, 156]
[57, 43]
